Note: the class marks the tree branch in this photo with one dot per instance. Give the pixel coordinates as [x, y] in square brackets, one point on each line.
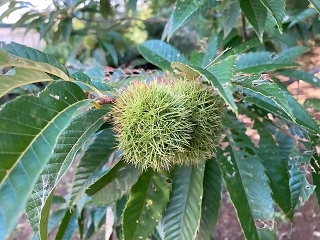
[243, 27]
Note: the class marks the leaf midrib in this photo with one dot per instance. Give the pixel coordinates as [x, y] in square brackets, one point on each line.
[8, 171]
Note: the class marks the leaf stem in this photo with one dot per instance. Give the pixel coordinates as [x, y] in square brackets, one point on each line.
[243, 27]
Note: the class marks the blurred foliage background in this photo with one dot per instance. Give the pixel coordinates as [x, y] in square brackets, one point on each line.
[109, 31]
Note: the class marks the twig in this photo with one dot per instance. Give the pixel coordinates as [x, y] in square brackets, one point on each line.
[243, 27]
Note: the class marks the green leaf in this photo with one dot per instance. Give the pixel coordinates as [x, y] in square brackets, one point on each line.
[48, 25]
[86, 83]
[277, 9]
[9, 60]
[274, 33]
[313, 103]
[299, 160]
[55, 219]
[302, 16]
[304, 76]
[230, 17]
[301, 116]
[247, 182]
[293, 52]
[212, 187]
[10, 10]
[196, 58]
[256, 14]
[223, 89]
[116, 183]
[276, 167]
[316, 4]
[268, 89]
[185, 70]
[91, 163]
[32, 54]
[258, 62]
[315, 163]
[110, 49]
[182, 217]
[29, 130]
[243, 47]
[133, 6]
[69, 142]
[82, 77]
[211, 50]
[223, 71]
[182, 10]
[20, 77]
[68, 225]
[65, 28]
[106, 8]
[160, 54]
[148, 199]
[24, 18]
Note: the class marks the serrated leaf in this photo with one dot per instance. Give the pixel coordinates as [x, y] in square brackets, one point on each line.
[315, 163]
[87, 84]
[196, 58]
[21, 77]
[29, 129]
[273, 33]
[116, 183]
[24, 18]
[160, 54]
[148, 199]
[268, 89]
[276, 167]
[256, 14]
[247, 182]
[185, 70]
[302, 16]
[300, 75]
[258, 62]
[210, 208]
[182, 10]
[9, 60]
[10, 10]
[32, 54]
[223, 89]
[301, 116]
[316, 4]
[101, 86]
[210, 52]
[293, 52]
[230, 17]
[298, 162]
[277, 9]
[82, 77]
[243, 47]
[182, 217]
[69, 142]
[91, 163]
